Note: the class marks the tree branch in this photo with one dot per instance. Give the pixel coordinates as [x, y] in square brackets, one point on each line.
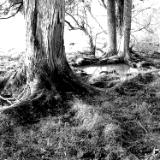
[71, 26]
[104, 5]
[10, 8]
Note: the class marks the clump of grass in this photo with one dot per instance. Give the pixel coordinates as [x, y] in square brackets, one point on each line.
[98, 132]
[48, 139]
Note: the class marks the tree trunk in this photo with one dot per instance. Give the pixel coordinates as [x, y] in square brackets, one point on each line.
[92, 46]
[49, 75]
[120, 25]
[127, 28]
[111, 25]
[45, 54]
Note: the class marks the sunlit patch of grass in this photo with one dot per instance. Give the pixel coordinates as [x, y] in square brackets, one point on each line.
[98, 132]
[95, 136]
[45, 140]
[51, 139]
[86, 116]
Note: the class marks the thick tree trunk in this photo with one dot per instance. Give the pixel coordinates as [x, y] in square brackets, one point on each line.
[111, 27]
[49, 75]
[44, 38]
[127, 27]
[45, 54]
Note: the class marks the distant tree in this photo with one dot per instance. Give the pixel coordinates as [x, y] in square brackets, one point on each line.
[78, 16]
[127, 29]
[111, 28]
[77, 13]
[119, 26]
[78, 20]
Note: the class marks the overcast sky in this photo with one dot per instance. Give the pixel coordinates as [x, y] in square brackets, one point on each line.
[12, 33]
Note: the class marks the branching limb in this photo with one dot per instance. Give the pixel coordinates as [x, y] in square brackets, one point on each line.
[71, 26]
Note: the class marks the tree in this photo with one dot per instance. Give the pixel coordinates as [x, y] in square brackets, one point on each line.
[77, 14]
[127, 28]
[119, 26]
[79, 21]
[49, 75]
[111, 27]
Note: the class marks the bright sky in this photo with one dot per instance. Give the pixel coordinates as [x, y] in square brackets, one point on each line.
[12, 33]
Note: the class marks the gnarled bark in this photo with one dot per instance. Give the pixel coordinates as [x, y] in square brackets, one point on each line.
[49, 75]
[45, 55]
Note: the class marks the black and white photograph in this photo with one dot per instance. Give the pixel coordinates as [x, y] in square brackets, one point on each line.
[79, 79]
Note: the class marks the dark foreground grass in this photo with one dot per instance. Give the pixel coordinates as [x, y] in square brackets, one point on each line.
[123, 124]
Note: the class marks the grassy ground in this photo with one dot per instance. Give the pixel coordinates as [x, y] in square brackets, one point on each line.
[121, 124]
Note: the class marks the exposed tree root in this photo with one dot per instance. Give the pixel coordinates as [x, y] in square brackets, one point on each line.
[111, 60]
[37, 100]
[11, 83]
[3, 81]
[134, 60]
[29, 110]
[103, 61]
[17, 79]
[70, 83]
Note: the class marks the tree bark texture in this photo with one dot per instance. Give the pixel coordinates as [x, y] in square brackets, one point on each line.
[127, 26]
[49, 76]
[46, 63]
[111, 25]
[44, 37]
[120, 24]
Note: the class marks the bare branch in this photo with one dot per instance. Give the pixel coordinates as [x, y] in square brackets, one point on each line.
[104, 4]
[144, 27]
[73, 18]
[12, 7]
[140, 11]
[95, 19]
[71, 26]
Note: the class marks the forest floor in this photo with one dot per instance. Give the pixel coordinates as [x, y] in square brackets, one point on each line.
[123, 123]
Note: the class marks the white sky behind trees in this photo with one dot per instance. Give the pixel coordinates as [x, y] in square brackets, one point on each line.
[12, 31]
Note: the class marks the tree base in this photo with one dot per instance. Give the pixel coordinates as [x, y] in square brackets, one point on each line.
[34, 107]
[43, 101]
[103, 61]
